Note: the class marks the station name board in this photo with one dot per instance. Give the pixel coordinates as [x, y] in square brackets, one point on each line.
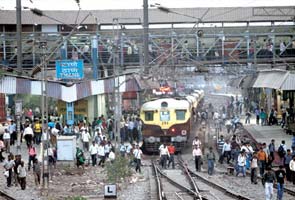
[69, 69]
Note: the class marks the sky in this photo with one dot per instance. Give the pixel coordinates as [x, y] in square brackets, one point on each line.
[137, 4]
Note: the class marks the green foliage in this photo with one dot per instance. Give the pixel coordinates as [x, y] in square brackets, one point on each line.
[118, 169]
[75, 198]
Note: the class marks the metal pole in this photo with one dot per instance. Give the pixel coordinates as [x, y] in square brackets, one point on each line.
[43, 116]
[19, 35]
[146, 36]
[47, 119]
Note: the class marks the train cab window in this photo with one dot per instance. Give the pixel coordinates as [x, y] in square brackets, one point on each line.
[149, 115]
[180, 114]
[165, 116]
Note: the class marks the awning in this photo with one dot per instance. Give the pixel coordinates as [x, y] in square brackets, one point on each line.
[271, 79]
[289, 83]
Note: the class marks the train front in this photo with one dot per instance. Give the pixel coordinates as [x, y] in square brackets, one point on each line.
[165, 121]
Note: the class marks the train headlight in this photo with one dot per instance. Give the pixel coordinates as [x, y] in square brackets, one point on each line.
[173, 130]
[172, 139]
[151, 139]
[158, 139]
[183, 132]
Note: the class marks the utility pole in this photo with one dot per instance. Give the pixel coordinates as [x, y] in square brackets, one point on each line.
[19, 35]
[44, 111]
[145, 37]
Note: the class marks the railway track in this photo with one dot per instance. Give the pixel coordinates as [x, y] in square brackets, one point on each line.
[4, 195]
[174, 184]
[208, 186]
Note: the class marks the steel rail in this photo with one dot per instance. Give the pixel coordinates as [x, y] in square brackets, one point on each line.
[159, 186]
[191, 180]
[217, 186]
[6, 196]
[173, 182]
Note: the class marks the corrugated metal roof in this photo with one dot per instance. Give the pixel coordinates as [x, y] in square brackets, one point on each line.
[233, 14]
[270, 79]
[83, 89]
[8, 85]
[289, 83]
[109, 85]
[54, 90]
[23, 86]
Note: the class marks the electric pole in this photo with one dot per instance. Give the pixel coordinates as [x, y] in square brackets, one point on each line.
[145, 37]
[19, 35]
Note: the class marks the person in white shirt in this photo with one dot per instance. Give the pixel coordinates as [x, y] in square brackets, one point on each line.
[197, 142]
[93, 152]
[130, 130]
[122, 149]
[129, 149]
[137, 156]
[51, 155]
[197, 154]
[28, 135]
[107, 149]
[247, 148]
[85, 139]
[22, 174]
[242, 164]
[6, 139]
[112, 156]
[101, 154]
[292, 169]
[226, 151]
[164, 154]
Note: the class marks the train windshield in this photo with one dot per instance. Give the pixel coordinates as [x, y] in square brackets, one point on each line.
[149, 116]
[164, 116]
[180, 114]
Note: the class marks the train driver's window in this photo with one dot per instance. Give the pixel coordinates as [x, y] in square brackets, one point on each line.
[164, 116]
[149, 115]
[180, 114]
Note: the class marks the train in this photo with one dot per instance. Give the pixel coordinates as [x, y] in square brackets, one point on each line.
[169, 120]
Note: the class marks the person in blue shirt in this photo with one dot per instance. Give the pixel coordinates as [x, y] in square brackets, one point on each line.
[51, 124]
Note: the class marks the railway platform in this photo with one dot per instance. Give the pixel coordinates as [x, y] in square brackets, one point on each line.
[263, 134]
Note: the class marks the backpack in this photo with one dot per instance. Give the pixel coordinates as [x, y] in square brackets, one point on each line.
[281, 151]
